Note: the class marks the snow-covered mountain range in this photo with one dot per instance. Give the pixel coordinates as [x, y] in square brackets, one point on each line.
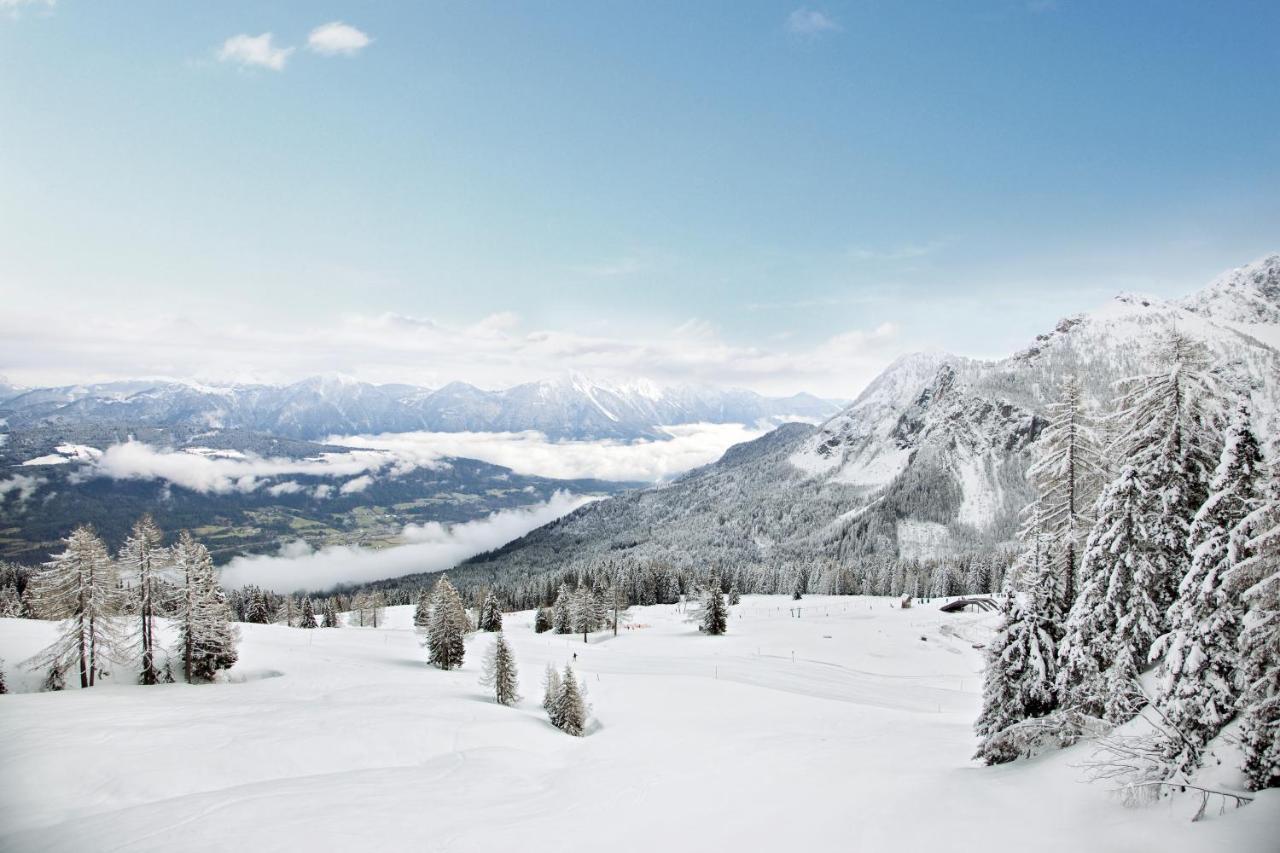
[931, 458]
[567, 407]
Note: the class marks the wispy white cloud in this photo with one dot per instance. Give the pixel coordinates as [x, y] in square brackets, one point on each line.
[613, 268]
[260, 51]
[15, 7]
[811, 22]
[356, 484]
[908, 252]
[22, 485]
[429, 548]
[337, 39]
[532, 453]
[222, 474]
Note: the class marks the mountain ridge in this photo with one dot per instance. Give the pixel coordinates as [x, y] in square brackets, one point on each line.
[567, 407]
[929, 460]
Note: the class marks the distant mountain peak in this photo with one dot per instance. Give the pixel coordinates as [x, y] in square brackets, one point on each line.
[1248, 294]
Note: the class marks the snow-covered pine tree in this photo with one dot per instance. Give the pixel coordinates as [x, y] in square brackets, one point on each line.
[1256, 577]
[735, 597]
[447, 628]
[542, 620]
[422, 612]
[1116, 576]
[551, 694]
[206, 638]
[143, 559]
[1169, 429]
[1067, 474]
[715, 614]
[258, 612]
[1022, 664]
[490, 618]
[287, 615]
[570, 707]
[79, 586]
[600, 608]
[331, 619]
[1136, 571]
[3, 687]
[10, 602]
[797, 589]
[1197, 691]
[978, 576]
[308, 617]
[583, 611]
[943, 581]
[55, 678]
[562, 611]
[500, 672]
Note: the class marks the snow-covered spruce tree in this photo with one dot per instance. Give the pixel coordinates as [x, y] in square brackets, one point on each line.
[1257, 579]
[562, 611]
[79, 586]
[3, 687]
[308, 618]
[258, 613]
[143, 560]
[551, 694]
[490, 618]
[584, 612]
[735, 597]
[500, 672]
[1067, 474]
[977, 579]
[330, 619]
[570, 707]
[55, 678]
[1021, 672]
[1115, 604]
[422, 612]
[600, 608]
[287, 613]
[943, 581]
[616, 604]
[1169, 427]
[10, 602]
[715, 613]
[797, 589]
[1197, 691]
[447, 628]
[206, 638]
[1136, 570]
[541, 620]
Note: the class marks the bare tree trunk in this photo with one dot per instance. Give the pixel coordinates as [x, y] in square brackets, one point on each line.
[84, 662]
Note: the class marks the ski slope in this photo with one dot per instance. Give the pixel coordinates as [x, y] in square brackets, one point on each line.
[847, 728]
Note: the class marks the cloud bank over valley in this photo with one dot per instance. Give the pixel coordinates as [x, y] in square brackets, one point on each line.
[429, 547]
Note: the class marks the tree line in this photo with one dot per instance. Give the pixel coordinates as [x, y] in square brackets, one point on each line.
[108, 609]
[1152, 550]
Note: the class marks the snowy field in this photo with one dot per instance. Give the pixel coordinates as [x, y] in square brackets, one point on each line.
[845, 729]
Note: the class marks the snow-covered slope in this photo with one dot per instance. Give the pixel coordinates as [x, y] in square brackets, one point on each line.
[931, 458]
[848, 728]
[568, 407]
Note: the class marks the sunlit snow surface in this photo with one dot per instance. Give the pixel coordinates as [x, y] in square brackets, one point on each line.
[848, 728]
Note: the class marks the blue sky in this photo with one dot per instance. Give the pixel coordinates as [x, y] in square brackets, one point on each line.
[761, 194]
